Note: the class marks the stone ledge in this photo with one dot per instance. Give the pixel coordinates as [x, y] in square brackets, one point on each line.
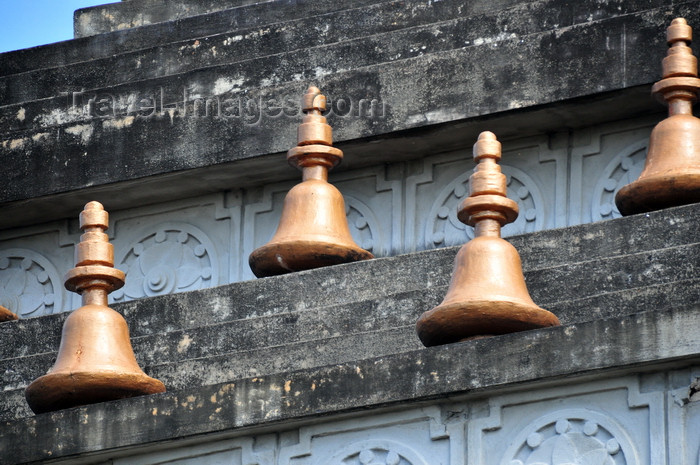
[356, 282]
[135, 13]
[631, 343]
[563, 289]
[125, 40]
[211, 359]
[181, 166]
[407, 29]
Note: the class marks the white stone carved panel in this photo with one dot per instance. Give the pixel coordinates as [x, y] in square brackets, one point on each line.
[170, 257]
[176, 246]
[623, 169]
[535, 170]
[411, 437]
[445, 229]
[604, 159]
[32, 264]
[376, 452]
[601, 423]
[579, 436]
[683, 404]
[29, 283]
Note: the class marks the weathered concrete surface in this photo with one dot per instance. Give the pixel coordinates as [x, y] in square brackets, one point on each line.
[103, 155]
[134, 13]
[634, 240]
[148, 37]
[564, 287]
[345, 313]
[344, 333]
[640, 342]
[414, 29]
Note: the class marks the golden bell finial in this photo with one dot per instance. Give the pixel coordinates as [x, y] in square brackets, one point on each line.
[487, 294]
[313, 230]
[6, 314]
[95, 361]
[671, 174]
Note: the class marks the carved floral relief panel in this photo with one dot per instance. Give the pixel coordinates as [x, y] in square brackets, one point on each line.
[602, 423]
[604, 159]
[580, 436]
[175, 247]
[412, 437]
[535, 175]
[32, 264]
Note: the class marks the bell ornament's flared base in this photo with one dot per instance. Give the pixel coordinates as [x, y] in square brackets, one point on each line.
[6, 315]
[475, 319]
[671, 174]
[95, 363]
[57, 391]
[658, 192]
[286, 256]
[313, 232]
[487, 297]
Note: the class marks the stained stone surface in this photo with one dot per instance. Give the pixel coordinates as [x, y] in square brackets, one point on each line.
[323, 367]
[626, 292]
[659, 336]
[558, 179]
[429, 69]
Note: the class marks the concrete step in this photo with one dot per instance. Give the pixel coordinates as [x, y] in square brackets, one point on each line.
[135, 13]
[567, 290]
[307, 48]
[145, 37]
[40, 130]
[224, 365]
[638, 345]
[225, 353]
[560, 265]
[272, 341]
[306, 331]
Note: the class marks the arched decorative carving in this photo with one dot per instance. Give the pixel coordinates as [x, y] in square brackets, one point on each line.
[579, 436]
[172, 257]
[444, 229]
[29, 283]
[620, 171]
[363, 224]
[377, 452]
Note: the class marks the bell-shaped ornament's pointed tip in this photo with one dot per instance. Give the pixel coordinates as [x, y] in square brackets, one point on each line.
[313, 99]
[313, 231]
[487, 294]
[671, 174]
[95, 361]
[6, 314]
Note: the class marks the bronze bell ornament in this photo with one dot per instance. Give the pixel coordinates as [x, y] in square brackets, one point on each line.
[313, 230]
[95, 360]
[6, 314]
[487, 294]
[671, 174]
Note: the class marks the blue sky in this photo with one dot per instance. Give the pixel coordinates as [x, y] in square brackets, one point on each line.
[28, 23]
